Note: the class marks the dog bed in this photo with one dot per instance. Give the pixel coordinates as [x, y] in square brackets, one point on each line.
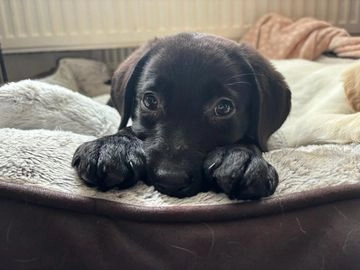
[50, 220]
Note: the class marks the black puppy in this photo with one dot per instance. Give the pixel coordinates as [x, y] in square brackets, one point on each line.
[203, 108]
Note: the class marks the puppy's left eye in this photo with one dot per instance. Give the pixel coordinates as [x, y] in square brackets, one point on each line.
[150, 101]
[224, 107]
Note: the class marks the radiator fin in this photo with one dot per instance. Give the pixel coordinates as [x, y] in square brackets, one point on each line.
[45, 25]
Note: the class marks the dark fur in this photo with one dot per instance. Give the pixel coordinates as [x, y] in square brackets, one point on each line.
[183, 147]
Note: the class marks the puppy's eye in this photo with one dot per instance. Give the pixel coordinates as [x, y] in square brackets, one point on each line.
[150, 101]
[224, 107]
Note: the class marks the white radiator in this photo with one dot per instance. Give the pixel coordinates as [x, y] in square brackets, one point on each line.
[48, 25]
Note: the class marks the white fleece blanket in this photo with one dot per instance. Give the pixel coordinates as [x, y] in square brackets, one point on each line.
[42, 124]
[42, 158]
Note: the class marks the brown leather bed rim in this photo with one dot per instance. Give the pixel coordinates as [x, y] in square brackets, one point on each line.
[181, 213]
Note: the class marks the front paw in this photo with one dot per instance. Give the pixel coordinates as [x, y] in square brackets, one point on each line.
[110, 161]
[241, 172]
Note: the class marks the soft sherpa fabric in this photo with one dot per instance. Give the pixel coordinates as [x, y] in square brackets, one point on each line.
[45, 163]
[31, 104]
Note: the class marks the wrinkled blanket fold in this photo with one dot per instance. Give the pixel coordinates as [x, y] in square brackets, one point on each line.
[279, 37]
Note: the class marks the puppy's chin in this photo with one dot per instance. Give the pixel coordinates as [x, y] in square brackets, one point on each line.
[179, 191]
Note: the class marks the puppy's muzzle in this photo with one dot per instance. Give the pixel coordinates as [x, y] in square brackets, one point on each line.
[176, 179]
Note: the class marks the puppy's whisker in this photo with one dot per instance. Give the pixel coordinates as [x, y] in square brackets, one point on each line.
[244, 74]
[212, 166]
[236, 83]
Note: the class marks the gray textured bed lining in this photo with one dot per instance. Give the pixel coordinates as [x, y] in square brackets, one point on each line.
[45, 163]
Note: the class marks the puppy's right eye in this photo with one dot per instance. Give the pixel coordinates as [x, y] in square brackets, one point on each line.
[150, 101]
[224, 107]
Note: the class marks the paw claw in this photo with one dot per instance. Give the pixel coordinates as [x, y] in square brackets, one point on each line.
[88, 168]
[75, 161]
[131, 163]
[211, 167]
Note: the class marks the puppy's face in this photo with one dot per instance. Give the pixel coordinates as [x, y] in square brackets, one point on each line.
[188, 101]
[191, 94]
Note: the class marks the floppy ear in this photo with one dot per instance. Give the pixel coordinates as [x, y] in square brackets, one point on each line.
[125, 79]
[271, 101]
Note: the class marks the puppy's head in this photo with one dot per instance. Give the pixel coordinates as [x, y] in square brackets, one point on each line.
[190, 93]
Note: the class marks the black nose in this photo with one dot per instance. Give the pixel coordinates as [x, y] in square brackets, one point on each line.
[172, 179]
[177, 182]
